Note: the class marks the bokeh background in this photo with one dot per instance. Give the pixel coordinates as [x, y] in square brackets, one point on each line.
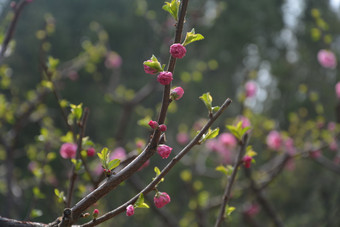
[101, 46]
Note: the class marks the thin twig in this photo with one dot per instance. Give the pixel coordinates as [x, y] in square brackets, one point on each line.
[231, 181]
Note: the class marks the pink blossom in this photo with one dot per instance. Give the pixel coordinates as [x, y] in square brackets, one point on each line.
[245, 121]
[289, 145]
[161, 199]
[95, 213]
[177, 50]
[228, 140]
[327, 59]
[153, 124]
[250, 88]
[113, 60]
[118, 153]
[212, 144]
[247, 161]
[274, 140]
[164, 78]
[337, 90]
[177, 93]
[68, 150]
[162, 128]
[164, 150]
[331, 125]
[333, 145]
[252, 210]
[182, 138]
[140, 144]
[149, 70]
[315, 154]
[130, 210]
[91, 152]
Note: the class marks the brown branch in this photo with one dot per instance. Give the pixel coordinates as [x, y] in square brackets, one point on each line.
[15, 223]
[231, 181]
[164, 172]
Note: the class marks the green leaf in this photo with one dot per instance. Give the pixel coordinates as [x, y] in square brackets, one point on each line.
[37, 193]
[52, 62]
[209, 135]
[144, 205]
[56, 192]
[77, 110]
[140, 200]
[192, 37]
[229, 210]
[104, 157]
[226, 170]
[215, 109]
[113, 164]
[36, 213]
[155, 64]
[207, 100]
[172, 7]
[157, 171]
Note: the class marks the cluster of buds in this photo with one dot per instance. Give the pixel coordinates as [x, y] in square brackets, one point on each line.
[154, 125]
[107, 172]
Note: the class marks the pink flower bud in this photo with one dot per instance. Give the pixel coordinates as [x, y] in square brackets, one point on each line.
[130, 210]
[162, 128]
[153, 124]
[327, 59]
[337, 90]
[252, 210]
[95, 213]
[149, 70]
[68, 150]
[177, 93]
[177, 50]
[274, 140]
[250, 88]
[247, 161]
[164, 150]
[91, 152]
[164, 78]
[228, 140]
[161, 199]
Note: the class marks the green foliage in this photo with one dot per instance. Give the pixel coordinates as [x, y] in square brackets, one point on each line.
[173, 8]
[192, 37]
[227, 170]
[140, 202]
[104, 157]
[154, 64]
[238, 131]
[211, 134]
[60, 195]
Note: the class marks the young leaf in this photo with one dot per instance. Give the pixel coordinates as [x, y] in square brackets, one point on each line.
[192, 37]
[144, 205]
[209, 135]
[207, 100]
[229, 210]
[113, 164]
[157, 171]
[140, 200]
[172, 7]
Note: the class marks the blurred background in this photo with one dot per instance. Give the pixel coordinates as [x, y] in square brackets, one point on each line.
[101, 47]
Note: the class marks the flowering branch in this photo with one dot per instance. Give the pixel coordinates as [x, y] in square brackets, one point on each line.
[166, 169]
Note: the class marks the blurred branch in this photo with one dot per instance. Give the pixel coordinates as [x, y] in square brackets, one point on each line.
[15, 223]
[227, 192]
[157, 179]
[10, 32]
[262, 200]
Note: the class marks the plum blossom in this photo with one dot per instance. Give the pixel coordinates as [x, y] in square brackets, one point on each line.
[161, 199]
[164, 78]
[327, 59]
[162, 128]
[118, 153]
[153, 124]
[177, 93]
[68, 150]
[182, 138]
[149, 70]
[274, 140]
[337, 90]
[250, 88]
[247, 161]
[164, 151]
[91, 152]
[177, 50]
[228, 140]
[130, 210]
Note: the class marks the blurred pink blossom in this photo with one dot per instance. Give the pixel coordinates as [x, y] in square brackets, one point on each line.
[250, 88]
[228, 140]
[182, 138]
[327, 59]
[252, 210]
[68, 150]
[289, 145]
[113, 60]
[274, 140]
[337, 90]
[118, 153]
[333, 145]
[245, 121]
